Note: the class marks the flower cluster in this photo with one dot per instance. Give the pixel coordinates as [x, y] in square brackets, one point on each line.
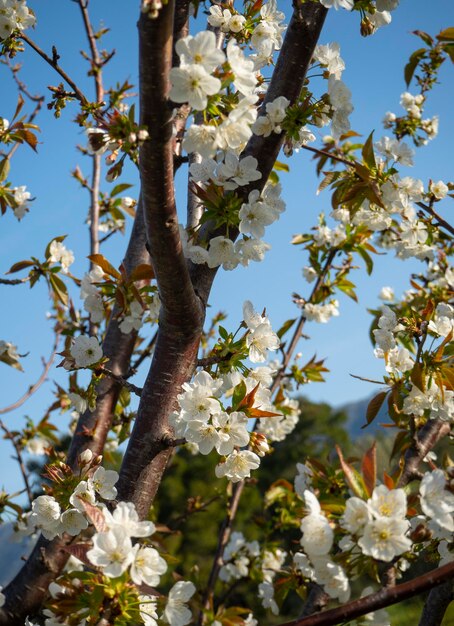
[58, 253]
[238, 557]
[14, 16]
[206, 422]
[260, 211]
[375, 527]
[48, 516]
[412, 123]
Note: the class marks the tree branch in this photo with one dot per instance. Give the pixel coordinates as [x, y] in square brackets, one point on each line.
[379, 600]
[426, 438]
[19, 459]
[436, 604]
[39, 382]
[179, 303]
[441, 222]
[53, 62]
[287, 80]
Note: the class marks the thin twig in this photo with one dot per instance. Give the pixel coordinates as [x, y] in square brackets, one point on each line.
[441, 222]
[96, 66]
[39, 382]
[19, 459]
[146, 352]
[302, 320]
[14, 281]
[120, 379]
[53, 63]
[329, 155]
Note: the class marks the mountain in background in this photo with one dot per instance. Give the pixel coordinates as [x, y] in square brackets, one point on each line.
[356, 412]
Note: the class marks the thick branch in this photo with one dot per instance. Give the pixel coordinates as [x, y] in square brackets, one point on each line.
[380, 600]
[179, 302]
[147, 454]
[288, 79]
[436, 604]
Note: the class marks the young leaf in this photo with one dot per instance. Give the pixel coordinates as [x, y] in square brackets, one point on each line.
[4, 168]
[353, 478]
[369, 468]
[59, 288]
[368, 152]
[20, 265]
[104, 264]
[142, 272]
[119, 188]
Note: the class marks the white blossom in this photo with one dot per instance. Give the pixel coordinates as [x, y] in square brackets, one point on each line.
[103, 482]
[176, 612]
[193, 84]
[147, 566]
[73, 522]
[126, 519]
[384, 538]
[112, 551]
[238, 465]
[86, 351]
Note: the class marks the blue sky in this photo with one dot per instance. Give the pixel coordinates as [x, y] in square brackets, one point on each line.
[374, 74]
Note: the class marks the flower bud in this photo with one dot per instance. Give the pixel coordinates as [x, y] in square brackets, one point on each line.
[259, 444]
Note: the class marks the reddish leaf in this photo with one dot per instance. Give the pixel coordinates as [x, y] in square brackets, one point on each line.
[369, 468]
[374, 407]
[352, 477]
[20, 265]
[95, 515]
[79, 550]
[388, 480]
[259, 413]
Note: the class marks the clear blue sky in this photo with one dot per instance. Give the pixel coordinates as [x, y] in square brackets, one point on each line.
[374, 73]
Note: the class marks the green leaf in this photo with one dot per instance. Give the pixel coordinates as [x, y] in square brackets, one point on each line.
[4, 168]
[368, 152]
[119, 189]
[446, 35]
[352, 476]
[239, 394]
[449, 49]
[59, 288]
[285, 327]
[281, 167]
[412, 64]
[366, 258]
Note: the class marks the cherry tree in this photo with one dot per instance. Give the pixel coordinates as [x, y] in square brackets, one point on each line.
[224, 104]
